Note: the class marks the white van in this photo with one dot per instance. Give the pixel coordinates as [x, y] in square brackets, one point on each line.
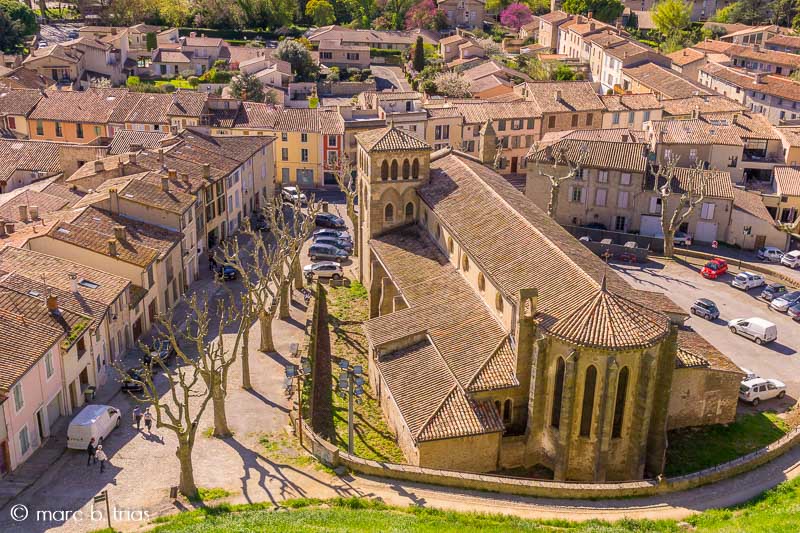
[93, 421]
[760, 330]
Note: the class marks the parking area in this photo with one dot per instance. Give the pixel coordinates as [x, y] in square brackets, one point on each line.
[58, 32]
[684, 284]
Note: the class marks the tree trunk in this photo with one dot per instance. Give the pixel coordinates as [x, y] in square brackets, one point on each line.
[283, 312]
[552, 207]
[186, 486]
[669, 245]
[297, 273]
[221, 428]
[246, 358]
[265, 321]
[351, 212]
[43, 9]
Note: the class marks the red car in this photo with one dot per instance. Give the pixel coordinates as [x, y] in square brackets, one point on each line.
[714, 268]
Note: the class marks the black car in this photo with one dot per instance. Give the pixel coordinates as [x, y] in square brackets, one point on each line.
[326, 252]
[335, 233]
[259, 223]
[773, 290]
[225, 272]
[328, 220]
[162, 350]
[342, 244]
[127, 382]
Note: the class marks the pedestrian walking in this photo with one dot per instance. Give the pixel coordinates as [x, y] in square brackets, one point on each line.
[148, 420]
[137, 417]
[101, 456]
[91, 451]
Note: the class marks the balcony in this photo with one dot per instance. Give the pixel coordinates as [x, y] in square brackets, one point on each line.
[760, 156]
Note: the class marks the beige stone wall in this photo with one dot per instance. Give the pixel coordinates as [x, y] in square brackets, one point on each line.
[703, 396]
[722, 213]
[760, 228]
[470, 454]
[564, 122]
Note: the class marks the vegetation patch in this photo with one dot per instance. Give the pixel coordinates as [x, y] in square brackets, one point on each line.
[694, 449]
[211, 494]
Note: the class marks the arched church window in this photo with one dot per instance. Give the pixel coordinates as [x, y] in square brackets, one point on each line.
[415, 169]
[619, 405]
[388, 213]
[498, 302]
[507, 411]
[558, 394]
[384, 171]
[465, 263]
[409, 211]
[406, 169]
[481, 282]
[587, 409]
[394, 169]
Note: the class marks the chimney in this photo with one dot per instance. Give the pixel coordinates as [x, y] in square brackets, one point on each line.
[98, 166]
[206, 170]
[113, 31]
[581, 20]
[165, 181]
[487, 144]
[161, 156]
[757, 78]
[132, 158]
[112, 247]
[624, 137]
[591, 25]
[558, 95]
[685, 53]
[9, 227]
[23, 213]
[119, 232]
[121, 168]
[193, 34]
[33, 211]
[185, 177]
[696, 113]
[52, 304]
[735, 118]
[113, 199]
[135, 147]
[590, 14]
[73, 281]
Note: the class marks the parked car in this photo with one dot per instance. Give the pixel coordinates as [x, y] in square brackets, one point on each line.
[293, 194]
[225, 272]
[759, 330]
[323, 269]
[705, 308]
[681, 238]
[748, 374]
[73, 34]
[259, 222]
[791, 259]
[773, 290]
[759, 389]
[747, 281]
[94, 421]
[714, 268]
[43, 44]
[342, 244]
[770, 253]
[162, 350]
[128, 385]
[336, 233]
[784, 302]
[328, 220]
[326, 252]
[794, 311]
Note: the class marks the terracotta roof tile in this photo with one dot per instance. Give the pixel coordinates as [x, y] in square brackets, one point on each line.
[123, 139]
[625, 156]
[574, 96]
[93, 106]
[787, 179]
[18, 101]
[694, 131]
[709, 103]
[752, 204]
[390, 139]
[779, 86]
[765, 56]
[686, 56]
[41, 156]
[663, 80]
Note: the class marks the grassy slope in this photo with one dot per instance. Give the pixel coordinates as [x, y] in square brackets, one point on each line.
[775, 511]
[695, 449]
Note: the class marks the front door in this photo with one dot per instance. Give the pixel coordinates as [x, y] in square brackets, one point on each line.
[5, 459]
[760, 241]
[514, 165]
[40, 425]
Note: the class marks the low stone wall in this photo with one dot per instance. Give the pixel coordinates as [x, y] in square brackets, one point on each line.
[334, 457]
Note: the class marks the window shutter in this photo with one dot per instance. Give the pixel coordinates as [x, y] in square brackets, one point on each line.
[571, 193]
[653, 204]
[583, 195]
[622, 199]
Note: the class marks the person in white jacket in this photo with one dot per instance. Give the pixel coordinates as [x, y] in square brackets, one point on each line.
[101, 456]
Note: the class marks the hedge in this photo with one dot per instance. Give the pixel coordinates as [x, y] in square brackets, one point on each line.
[239, 35]
[384, 52]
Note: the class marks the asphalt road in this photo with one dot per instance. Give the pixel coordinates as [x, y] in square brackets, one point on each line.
[684, 284]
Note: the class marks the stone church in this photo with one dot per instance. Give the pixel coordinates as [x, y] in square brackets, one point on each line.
[498, 341]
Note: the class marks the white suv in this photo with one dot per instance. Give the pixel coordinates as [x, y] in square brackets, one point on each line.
[747, 281]
[323, 269]
[791, 259]
[293, 194]
[770, 253]
[758, 389]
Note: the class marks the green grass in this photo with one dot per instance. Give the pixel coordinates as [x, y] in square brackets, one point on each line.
[348, 308]
[211, 494]
[695, 449]
[178, 84]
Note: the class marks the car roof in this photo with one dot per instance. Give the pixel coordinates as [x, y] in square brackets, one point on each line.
[325, 263]
[748, 273]
[754, 381]
[757, 320]
[705, 301]
[793, 253]
[776, 286]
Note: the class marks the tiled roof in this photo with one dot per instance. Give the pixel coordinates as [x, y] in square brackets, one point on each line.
[24, 78]
[707, 103]
[459, 416]
[625, 156]
[630, 102]
[331, 122]
[718, 184]
[786, 41]
[204, 41]
[663, 80]
[187, 103]
[41, 156]
[751, 203]
[18, 101]
[628, 50]
[149, 109]
[9, 208]
[336, 44]
[694, 131]
[498, 371]
[779, 86]
[373, 37]
[489, 68]
[719, 47]
[695, 351]
[390, 139]
[93, 105]
[787, 179]
[574, 96]
[479, 111]
[555, 17]
[515, 243]
[686, 56]
[765, 56]
[123, 139]
[610, 321]
[746, 124]
[789, 134]
[172, 56]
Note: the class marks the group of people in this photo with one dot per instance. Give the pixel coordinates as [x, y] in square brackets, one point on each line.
[95, 451]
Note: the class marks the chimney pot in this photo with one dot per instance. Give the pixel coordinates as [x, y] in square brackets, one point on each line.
[119, 232]
[98, 166]
[160, 155]
[9, 227]
[52, 304]
[112, 247]
[165, 181]
[23, 213]
[206, 170]
[590, 15]
[113, 199]
[33, 211]
[591, 25]
[73, 281]
[558, 95]
[132, 159]
[135, 147]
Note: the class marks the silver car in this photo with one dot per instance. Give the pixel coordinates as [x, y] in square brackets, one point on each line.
[784, 302]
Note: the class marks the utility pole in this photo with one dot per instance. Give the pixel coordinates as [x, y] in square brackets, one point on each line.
[299, 373]
[351, 383]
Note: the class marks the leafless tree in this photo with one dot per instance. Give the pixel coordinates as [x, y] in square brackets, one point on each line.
[179, 410]
[348, 185]
[562, 155]
[213, 358]
[694, 192]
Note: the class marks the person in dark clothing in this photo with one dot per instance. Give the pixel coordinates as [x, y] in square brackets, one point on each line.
[91, 450]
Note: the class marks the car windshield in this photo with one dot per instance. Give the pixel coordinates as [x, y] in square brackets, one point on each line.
[712, 266]
[743, 388]
[792, 296]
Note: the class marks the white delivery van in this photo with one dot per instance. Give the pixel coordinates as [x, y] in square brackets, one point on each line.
[760, 330]
[93, 421]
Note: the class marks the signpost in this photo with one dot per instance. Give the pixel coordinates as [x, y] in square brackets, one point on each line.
[103, 497]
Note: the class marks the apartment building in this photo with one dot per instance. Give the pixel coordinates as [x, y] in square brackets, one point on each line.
[460, 48]
[463, 13]
[776, 97]
[15, 107]
[403, 108]
[549, 24]
[74, 116]
[759, 59]
[445, 128]
[391, 40]
[702, 105]
[659, 80]
[687, 62]
[332, 53]
[564, 105]
[630, 110]
[783, 43]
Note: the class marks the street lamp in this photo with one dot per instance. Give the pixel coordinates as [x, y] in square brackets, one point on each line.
[351, 383]
[294, 372]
